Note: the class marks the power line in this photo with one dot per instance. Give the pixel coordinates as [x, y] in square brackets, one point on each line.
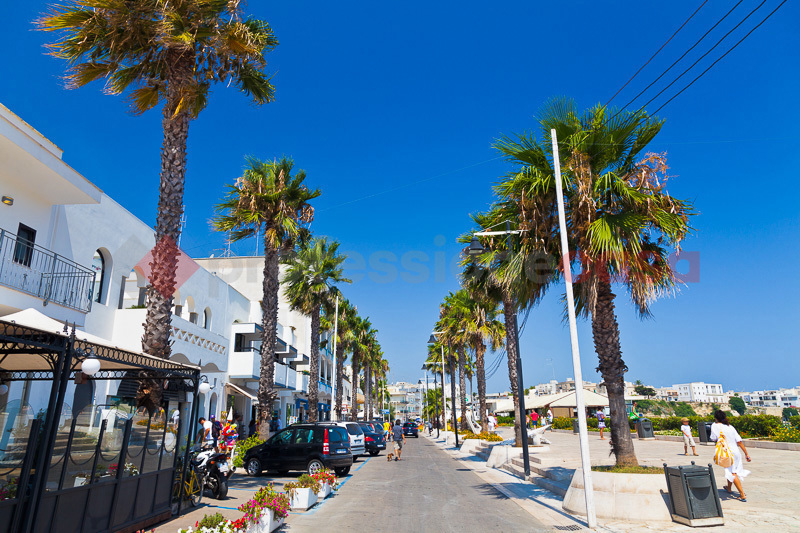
[722, 56]
[657, 51]
[708, 52]
[682, 56]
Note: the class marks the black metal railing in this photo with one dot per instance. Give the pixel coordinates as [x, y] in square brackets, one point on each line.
[30, 268]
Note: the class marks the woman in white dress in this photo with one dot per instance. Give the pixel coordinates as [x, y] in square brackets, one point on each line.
[736, 471]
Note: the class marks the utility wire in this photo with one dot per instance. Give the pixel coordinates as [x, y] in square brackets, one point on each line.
[682, 56]
[657, 51]
[708, 52]
[723, 55]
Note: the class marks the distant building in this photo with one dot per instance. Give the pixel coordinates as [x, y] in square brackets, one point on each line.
[772, 398]
[699, 391]
[669, 394]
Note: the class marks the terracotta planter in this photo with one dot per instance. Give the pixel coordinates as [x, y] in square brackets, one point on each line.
[303, 499]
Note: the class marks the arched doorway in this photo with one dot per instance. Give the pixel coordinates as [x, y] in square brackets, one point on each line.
[82, 399]
[212, 408]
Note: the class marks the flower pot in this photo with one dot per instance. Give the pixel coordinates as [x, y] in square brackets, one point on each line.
[324, 490]
[303, 499]
[273, 522]
[266, 523]
[80, 481]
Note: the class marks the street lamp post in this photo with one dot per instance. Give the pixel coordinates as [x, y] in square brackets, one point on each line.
[476, 248]
[436, 403]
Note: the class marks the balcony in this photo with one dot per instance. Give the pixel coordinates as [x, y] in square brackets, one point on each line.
[29, 268]
[285, 377]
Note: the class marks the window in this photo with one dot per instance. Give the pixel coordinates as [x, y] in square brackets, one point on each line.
[207, 318]
[353, 429]
[283, 438]
[99, 269]
[302, 436]
[193, 318]
[23, 249]
[335, 435]
[178, 310]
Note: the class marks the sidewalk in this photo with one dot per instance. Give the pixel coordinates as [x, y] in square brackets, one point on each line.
[772, 489]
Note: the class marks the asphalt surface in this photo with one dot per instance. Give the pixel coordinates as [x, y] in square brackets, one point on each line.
[425, 491]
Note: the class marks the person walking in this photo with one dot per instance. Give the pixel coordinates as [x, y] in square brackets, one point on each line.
[601, 422]
[399, 439]
[550, 418]
[535, 419]
[722, 429]
[387, 429]
[204, 435]
[688, 440]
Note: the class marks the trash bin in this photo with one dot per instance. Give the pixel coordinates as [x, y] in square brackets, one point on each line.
[704, 431]
[644, 428]
[693, 495]
[575, 426]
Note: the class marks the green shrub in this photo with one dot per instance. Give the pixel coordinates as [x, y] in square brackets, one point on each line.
[794, 421]
[211, 521]
[684, 409]
[756, 425]
[503, 420]
[562, 422]
[242, 448]
[784, 434]
[789, 412]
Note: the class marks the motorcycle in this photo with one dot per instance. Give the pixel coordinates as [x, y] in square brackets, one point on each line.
[213, 466]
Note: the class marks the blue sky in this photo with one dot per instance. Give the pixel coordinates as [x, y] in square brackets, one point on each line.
[392, 109]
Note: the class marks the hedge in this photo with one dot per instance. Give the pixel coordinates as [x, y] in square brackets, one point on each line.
[746, 425]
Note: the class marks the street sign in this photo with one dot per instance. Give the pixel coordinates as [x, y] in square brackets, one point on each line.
[385, 411]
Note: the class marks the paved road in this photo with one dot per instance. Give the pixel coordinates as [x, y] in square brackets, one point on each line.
[426, 491]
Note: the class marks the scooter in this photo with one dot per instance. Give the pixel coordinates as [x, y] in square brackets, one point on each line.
[213, 466]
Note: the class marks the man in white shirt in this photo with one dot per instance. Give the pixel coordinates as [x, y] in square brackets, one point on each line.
[204, 435]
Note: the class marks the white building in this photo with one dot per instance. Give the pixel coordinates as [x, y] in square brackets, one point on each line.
[772, 398]
[71, 252]
[699, 391]
[669, 394]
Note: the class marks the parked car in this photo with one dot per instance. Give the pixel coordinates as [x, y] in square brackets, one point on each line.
[307, 447]
[374, 442]
[356, 437]
[410, 429]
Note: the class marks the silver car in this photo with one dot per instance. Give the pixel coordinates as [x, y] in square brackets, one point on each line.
[357, 445]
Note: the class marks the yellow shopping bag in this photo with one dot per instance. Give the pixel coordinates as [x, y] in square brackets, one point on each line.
[722, 453]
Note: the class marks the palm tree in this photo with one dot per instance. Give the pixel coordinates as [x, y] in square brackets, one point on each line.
[361, 331]
[515, 277]
[344, 341]
[268, 200]
[433, 363]
[479, 320]
[451, 324]
[622, 222]
[308, 279]
[171, 53]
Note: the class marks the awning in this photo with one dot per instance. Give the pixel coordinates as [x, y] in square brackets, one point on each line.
[239, 390]
[566, 399]
[323, 406]
[299, 402]
[29, 337]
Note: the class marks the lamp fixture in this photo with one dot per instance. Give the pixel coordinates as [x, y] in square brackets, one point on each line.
[90, 365]
[204, 386]
[475, 246]
[8, 200]
[3, 389]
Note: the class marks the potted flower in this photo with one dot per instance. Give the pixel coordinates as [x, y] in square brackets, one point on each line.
[130, 469]
[265, 512]
[9, 490]
[303, 492]
[327, 481]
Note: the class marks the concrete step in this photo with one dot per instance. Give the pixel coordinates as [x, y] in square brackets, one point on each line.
[558, 488]
[555, 473]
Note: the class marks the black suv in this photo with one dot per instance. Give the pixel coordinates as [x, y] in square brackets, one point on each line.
[410, 429]
[307, 447]
[374, 441]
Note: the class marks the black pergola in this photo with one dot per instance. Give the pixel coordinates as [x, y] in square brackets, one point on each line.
[135, 492]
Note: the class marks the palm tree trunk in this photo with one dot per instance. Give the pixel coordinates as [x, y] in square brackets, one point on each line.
[510, 312]
[355, 370]
[269, 327]
[462, 383]
[313, 379]
[480, 350]
[158, 320]
[339, 379]
[606, 343]
[368, 392]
